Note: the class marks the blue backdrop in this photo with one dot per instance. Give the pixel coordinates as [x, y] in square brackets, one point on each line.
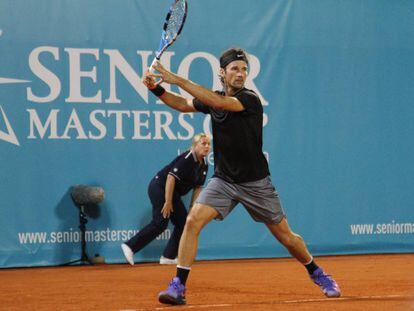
[335, 78]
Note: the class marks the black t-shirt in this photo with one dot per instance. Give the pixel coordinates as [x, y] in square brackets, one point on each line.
[238, 139]
[187, 170]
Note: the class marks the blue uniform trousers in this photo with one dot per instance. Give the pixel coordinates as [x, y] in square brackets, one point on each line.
[156, 193]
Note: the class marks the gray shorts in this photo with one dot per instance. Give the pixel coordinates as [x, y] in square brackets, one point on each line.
[259, 198]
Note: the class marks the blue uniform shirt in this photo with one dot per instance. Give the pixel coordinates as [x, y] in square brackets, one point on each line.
[187, 170]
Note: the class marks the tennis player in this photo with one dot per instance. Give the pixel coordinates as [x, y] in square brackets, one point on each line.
[187, 171]
[241, 173]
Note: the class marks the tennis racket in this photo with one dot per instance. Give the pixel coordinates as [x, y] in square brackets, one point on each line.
[174, 23]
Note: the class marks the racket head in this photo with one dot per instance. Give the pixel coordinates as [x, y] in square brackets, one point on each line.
[173, 25]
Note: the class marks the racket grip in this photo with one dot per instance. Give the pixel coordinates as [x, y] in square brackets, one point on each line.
[151, 68]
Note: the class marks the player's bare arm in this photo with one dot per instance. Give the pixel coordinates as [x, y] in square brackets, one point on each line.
[171, 99]
[206, 96]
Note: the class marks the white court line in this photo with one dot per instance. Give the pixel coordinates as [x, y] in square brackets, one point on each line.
[347, 298]
[278, 302]
[195, 306]
[182, 307]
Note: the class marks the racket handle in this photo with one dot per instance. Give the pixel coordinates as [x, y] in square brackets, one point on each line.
[151, 68]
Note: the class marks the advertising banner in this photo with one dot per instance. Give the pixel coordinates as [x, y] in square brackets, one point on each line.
[336, 83]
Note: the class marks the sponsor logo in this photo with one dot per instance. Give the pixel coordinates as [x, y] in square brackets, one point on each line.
[8, 136]
[66, 98]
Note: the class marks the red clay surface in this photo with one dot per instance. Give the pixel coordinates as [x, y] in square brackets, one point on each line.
[369, 282]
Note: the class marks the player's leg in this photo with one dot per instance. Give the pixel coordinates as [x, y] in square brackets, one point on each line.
[261, 200]
[292, 241]
[199, 216]
[215, 201]
[297, 248]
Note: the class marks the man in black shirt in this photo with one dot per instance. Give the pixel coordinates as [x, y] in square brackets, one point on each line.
[238, 139]
[186, 172]
[241, 173]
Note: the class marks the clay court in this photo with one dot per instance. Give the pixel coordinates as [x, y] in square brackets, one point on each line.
[369, 282]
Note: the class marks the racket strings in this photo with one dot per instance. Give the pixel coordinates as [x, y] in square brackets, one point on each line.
[174, 23]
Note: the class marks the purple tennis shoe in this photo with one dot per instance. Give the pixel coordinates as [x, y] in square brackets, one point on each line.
[328, 285]
[175, 293]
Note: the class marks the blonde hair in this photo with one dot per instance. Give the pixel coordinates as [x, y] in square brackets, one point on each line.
[198, 137]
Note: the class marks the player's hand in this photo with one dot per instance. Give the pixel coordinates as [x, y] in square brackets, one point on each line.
[149, 80]
[167, 209]
[164, 75]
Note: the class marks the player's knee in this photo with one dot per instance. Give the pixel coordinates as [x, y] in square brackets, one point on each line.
[193, 223]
